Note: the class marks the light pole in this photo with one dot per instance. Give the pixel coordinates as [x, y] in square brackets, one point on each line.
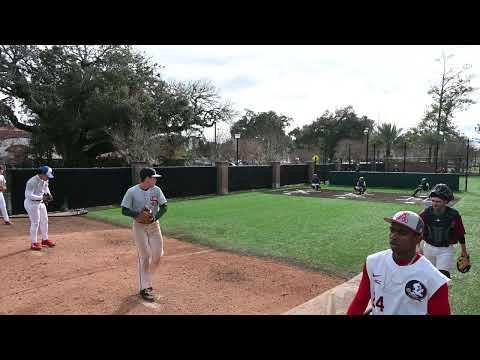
[374, 159]
[237, 136]
[466, 171]
[404, 154]
[349, 157]
[366, 132]
[216, 151]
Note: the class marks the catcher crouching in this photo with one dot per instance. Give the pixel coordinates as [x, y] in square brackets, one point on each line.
[146, 204]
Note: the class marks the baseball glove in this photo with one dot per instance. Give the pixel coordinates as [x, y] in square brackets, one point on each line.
[145, 217]
[463, 264]
[47, 198]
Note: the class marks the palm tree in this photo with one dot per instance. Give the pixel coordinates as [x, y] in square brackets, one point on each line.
[388, 134]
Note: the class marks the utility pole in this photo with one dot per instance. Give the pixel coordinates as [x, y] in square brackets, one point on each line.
[216, 150]
[440, 112]
[466, 171]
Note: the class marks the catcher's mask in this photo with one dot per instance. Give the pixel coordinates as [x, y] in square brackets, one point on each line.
[442, 191]
[463, 264]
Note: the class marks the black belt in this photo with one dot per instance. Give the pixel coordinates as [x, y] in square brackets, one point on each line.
[438, 245]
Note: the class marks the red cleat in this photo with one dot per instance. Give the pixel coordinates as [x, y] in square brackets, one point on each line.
[36, 246]
[48, 243]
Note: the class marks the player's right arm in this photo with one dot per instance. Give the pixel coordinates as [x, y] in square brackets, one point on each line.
[29, 192]
[127, 205]
[361, 299]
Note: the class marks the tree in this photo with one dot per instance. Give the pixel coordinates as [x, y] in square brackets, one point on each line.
[327, 130]
[72, 96]
[268, 130]
[450, 96]
[388, 135]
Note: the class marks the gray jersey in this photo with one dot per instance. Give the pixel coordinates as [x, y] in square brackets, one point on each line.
[35, 188]
[137, 199]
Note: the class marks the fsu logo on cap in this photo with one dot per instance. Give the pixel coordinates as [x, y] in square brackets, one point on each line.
[415, 290]
[403, 217]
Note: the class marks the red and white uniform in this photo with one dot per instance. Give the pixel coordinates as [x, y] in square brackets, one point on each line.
[401, 289]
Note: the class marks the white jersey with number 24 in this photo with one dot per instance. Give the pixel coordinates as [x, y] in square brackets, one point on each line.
[401, 290]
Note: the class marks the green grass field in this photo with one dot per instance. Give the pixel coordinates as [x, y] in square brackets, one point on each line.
[330, 235]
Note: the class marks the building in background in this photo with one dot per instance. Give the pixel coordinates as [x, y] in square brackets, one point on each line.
[14, 145]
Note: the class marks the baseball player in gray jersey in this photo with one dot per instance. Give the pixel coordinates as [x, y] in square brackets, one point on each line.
[37, 195]
[141, 199]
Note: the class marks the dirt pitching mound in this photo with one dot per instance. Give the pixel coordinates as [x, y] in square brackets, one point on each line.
[93, 270]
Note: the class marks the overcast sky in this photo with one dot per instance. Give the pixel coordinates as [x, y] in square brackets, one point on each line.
[386, 83]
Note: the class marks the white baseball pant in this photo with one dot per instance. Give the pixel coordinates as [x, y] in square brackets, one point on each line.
[149, 242]
[37, 212]
[3, 208]
[440, 257]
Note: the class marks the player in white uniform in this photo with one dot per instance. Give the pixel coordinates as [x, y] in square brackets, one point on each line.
[35, 189]
[148, 237]
[399, 281]
[3, 205]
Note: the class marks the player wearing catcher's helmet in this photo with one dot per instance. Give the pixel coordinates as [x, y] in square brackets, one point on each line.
[315, 182]
[146, 204]
[400, 281]
[361, 186]
[423, 186]
[443, 229]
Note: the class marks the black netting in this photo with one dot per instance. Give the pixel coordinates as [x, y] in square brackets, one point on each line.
[249, 177]
[293, 174]
[75, 188]
[179, 181]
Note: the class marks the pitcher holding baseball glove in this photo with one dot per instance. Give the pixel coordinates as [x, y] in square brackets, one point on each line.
[146, 204]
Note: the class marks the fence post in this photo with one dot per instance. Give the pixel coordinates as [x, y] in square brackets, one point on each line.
[136, 167]
[222, 177]
[311, 169]
[275, 174]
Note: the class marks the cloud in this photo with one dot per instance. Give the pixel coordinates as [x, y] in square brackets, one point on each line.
[238, 82]
[386, 83]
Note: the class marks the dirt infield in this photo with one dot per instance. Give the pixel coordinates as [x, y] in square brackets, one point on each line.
[93, 271]
[370, 195]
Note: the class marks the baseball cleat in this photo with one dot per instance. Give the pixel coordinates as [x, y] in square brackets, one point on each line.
[36, 246]
[8, 223]
[147, 295]
[48, 243]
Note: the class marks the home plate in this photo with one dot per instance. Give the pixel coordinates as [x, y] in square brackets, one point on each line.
[303, 192]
